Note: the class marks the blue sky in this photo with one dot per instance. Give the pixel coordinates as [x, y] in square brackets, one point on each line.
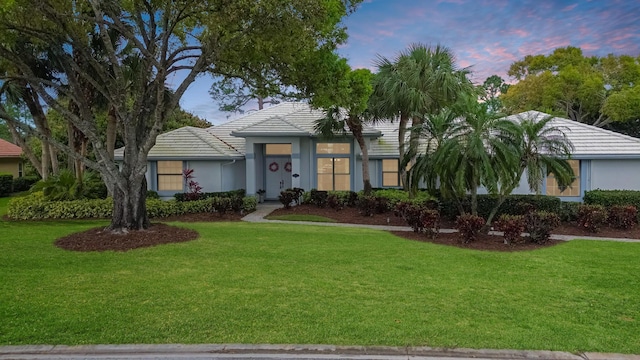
[486, 35]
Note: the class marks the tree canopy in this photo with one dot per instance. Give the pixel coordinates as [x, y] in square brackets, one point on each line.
[592, 90]
[126, 50]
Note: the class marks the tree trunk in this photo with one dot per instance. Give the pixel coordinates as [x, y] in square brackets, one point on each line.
[129, 206]
[402, 131]
[112, 126]
[356, 128]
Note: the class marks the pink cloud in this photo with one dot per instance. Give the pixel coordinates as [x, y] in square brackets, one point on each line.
[385, 33]
[589, 47]
[570, 7]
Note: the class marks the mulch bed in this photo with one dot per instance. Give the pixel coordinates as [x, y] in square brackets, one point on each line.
[100, 240]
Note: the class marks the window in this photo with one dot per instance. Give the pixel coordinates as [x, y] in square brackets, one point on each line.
[573, 190]
[390, 176]
[278, 149]
[20, 169]
[334, 174]
[170, 176]
[333, 148]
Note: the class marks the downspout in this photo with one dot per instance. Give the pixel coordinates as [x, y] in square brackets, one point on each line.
[221, 172]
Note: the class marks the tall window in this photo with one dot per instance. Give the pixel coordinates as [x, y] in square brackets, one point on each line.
[20, 169]
[170, 176]
[574, 190]
[334, 166]
[390, 175]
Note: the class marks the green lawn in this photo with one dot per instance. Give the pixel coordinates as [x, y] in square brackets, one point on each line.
[276, 283]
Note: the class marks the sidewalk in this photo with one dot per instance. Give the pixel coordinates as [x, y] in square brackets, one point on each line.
[265, 209]
[291, 352]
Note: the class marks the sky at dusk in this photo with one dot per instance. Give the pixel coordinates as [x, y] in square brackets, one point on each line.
[485, 35]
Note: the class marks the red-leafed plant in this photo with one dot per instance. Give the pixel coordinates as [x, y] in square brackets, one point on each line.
[469, 226]
[623, 217]
[591, 217]
[194, 190]
[512, 226]
[419, 217]
[539, 225]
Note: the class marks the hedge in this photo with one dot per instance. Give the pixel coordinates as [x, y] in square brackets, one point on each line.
[36, 207]
[608, 198]
[24, 183]
[513, 205]
[201, 196]
[6, 183]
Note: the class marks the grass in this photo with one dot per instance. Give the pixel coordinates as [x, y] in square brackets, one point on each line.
[277, 283]
[301, 217]
[4, 204]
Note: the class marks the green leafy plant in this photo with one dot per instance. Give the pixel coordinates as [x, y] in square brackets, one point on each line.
[591, 217]
[539, 225]
[6, 183]
[318, 198]
[24, 183]
[288, 197]
[512, 226]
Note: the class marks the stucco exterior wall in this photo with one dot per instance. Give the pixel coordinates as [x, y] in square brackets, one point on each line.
[622, 174]
[207, 174]
[233, 175]
[10, 166]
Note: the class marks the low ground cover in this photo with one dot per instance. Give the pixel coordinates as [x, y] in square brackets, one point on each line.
[277, 283]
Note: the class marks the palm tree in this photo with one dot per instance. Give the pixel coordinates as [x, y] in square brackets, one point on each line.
[480, 150]
[419, 81]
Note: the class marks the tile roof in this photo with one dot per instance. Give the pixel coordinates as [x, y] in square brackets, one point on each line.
[589, 141]
[9, 150]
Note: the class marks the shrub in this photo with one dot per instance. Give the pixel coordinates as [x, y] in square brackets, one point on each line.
[539, 225]
[591, 217]
[512, 226]
[318, 198]
[419, 217]
[569, 211]
[6, 183]
[469, 226]
[249, 204]
[288, 197]
[240, 193]
[24, 183]
[221, 205]
[608, 198]
[367, 205]
[513, 205]
[194, 189]
[623, 217]
[29, 207]
[336, 202]
[395, 196]
[340, 199]
[297, 194]
[152, 194]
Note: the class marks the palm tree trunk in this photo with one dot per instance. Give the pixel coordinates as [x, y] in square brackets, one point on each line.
[356, 130]
[402, 131]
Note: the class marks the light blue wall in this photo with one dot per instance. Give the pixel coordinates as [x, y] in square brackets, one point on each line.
[615, 174]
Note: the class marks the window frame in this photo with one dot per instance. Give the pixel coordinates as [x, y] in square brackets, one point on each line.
[396, 172]
[574, 190]
[348, 155]
[161, 174]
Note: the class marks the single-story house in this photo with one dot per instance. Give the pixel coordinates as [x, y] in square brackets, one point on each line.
[277, 148]
[10, 158]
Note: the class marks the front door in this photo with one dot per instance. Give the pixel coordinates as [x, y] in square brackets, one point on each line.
[278, 175]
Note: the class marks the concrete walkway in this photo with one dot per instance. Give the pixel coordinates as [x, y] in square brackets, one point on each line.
[290, 352]
[265, 209]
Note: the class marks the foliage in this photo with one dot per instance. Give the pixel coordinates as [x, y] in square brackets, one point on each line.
[370, 205]
[24, 183]
[591, 90]
[249, 204]
[568, 211]
[65, 186]
[512, 226]
[608, 198]
[35, 207]
[127, 52]
[512, 205]
[152, 194]
[492, 88]
[318, 198]
[539, 225]
[395, 196]
[233, 193]
[288, 197]
[338, 200]
[469, 226]
[194, 190]
[6, 184]
[591, 217]
[420, 218]
[622, 217]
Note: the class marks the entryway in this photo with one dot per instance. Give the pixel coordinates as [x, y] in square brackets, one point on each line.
[278, 175]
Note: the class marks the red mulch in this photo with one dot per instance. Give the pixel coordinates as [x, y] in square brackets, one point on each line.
[98, 239]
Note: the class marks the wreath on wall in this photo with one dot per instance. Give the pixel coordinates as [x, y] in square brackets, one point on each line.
[287, 166]
[273, 167]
